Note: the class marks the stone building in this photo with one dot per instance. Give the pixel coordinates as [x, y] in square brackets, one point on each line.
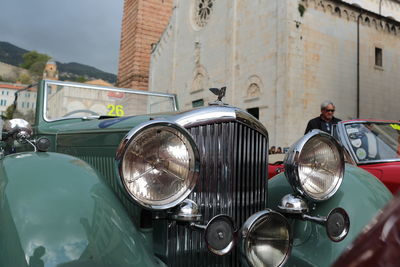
[280, 59]
[50, 71]
[143, 22]
[7, 95]
[26, 99]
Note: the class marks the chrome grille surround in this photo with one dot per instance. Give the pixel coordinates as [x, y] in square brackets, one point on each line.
[233, 180]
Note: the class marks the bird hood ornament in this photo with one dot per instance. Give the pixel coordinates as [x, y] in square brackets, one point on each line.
[220, 93]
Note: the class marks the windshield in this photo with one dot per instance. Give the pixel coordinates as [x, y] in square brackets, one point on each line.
[374, 141]
[71, 100]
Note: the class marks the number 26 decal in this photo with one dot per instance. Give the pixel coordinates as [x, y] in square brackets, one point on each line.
[115, 110]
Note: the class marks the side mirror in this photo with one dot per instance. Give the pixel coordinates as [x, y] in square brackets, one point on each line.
[18, 129]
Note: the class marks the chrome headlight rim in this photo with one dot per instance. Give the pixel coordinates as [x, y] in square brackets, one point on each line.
[292, 165]
[249, 226]
[130, 137]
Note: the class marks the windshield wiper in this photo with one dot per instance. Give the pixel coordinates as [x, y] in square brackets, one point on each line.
[98, 117]
[107, 117]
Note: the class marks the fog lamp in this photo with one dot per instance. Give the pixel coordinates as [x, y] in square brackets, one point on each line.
[266, 239]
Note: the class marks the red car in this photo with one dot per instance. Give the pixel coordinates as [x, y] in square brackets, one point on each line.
[275, 165]
[373, 145]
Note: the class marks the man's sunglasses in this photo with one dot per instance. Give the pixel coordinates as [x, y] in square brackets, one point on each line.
[329, 110]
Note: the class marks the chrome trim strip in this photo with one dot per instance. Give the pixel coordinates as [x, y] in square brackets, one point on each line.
[218, 114]
[98, 87]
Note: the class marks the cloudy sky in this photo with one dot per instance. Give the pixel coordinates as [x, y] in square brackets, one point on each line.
[83, 31]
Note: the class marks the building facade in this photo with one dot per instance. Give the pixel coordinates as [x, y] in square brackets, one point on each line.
[26, 99]
[50, 71]
[143, 22]
[281, 59]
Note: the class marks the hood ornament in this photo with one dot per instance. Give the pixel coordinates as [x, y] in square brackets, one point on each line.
[220, 93]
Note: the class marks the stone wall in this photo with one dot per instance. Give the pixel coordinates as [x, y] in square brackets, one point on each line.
[241, 46]
[10, 72]
[322, 64]
[272, 57]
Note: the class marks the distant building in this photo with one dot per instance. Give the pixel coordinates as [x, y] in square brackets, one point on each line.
[50, 71]
[280, 59]
[143, 22]
[26, 100]
[99, 82]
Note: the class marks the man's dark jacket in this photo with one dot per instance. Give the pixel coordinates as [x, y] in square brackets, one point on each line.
[319, 123]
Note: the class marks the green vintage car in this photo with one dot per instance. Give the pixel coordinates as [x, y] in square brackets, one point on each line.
[86, 180]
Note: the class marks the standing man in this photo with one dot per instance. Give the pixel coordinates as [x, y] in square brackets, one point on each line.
[325, 120]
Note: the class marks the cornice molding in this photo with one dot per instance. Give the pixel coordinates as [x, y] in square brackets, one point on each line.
[352, 13]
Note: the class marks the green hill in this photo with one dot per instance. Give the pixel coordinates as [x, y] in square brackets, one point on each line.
[12, 55]
[68, 70]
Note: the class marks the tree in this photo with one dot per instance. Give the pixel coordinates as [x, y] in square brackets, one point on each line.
[35, 62]
[24, 78]
[80, 79]
[9, 112]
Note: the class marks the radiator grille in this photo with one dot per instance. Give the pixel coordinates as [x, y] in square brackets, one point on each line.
[232, 181]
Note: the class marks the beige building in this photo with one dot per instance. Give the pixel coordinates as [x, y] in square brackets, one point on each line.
[280, 59]
[26, 99]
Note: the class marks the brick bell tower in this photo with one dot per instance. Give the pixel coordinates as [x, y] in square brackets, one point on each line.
[143, 22]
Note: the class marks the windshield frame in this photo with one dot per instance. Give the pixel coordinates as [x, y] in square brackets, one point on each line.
[341, 127]
[44, 96]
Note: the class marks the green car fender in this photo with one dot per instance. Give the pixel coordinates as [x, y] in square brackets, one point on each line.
[361, 195]
[56, 211]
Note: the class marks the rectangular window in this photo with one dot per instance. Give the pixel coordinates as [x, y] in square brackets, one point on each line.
[255, 112]
[378, 57]
[198, 103]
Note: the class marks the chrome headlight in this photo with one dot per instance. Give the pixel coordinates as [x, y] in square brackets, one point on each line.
[314, 166]
[266, 239]
[158, 164]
